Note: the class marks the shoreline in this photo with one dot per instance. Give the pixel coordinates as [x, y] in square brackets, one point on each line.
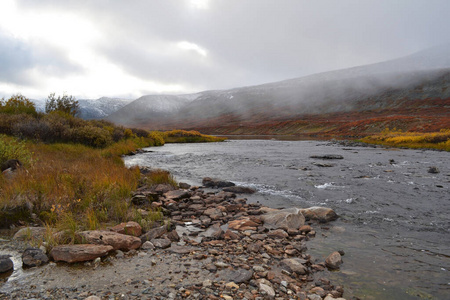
[237, 257]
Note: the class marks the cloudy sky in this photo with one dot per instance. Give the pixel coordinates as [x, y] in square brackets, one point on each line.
[118, 48]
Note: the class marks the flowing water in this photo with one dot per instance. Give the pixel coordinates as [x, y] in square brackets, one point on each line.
[394, 215]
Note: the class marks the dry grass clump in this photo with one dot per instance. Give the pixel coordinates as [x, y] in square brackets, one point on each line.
[433, 140]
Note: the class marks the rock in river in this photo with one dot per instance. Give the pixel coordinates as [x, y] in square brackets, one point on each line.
[328, 156]
[6, 263]
[213, 182]
[334, 260]
[79, 252]
[321, 214]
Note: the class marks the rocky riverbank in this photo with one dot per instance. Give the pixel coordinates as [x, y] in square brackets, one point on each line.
[212, 245]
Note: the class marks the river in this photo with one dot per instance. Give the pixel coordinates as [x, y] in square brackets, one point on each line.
[394, 215]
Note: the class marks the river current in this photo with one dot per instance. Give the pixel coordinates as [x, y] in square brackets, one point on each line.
[394, 215]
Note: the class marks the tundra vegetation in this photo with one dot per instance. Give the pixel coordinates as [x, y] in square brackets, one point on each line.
[397, 138]
[72, 176]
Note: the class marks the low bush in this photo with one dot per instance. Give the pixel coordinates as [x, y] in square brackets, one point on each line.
[11, 148]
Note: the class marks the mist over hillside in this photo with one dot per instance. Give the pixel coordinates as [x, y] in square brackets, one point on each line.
[92, 108]
[363, 88]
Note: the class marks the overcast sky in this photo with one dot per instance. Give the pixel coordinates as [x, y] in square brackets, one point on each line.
[117, 48]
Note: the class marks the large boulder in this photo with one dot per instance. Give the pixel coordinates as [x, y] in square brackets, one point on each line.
[321, 214]
[129, 228]
[214, 182]
[34, 257]
[117, 240]
[287, 219]
[79, 252]
[6, 264]
[30, 233]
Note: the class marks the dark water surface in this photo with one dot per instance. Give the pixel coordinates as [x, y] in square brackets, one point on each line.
[394, 215]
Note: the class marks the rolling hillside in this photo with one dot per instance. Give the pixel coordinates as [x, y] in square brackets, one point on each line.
[410, 93]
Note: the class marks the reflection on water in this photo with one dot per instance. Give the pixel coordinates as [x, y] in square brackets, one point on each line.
[394, 225]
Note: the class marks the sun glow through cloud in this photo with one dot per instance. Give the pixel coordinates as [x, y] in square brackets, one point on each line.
[199, 4]
[192, 46]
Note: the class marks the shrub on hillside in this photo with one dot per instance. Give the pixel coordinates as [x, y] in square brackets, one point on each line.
[13, 149]
[17, 104]
[91, 136]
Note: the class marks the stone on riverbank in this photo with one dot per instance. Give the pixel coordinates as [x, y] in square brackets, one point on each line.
[117, 240]
[287, 219]
[34, 257]
[128, 228]
[79, 252]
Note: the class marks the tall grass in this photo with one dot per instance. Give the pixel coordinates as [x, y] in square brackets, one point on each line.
[432, 140]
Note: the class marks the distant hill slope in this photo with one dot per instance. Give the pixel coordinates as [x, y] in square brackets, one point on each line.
[93, 109]
[100, 108]
[417, 82]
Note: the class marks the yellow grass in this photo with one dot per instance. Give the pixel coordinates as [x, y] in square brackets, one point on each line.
[433, 140]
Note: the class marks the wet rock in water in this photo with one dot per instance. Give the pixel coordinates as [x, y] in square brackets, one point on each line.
[34, 257]
[33, 233]
[184, 185]
[433, 170]
[334, 260]
[321, 214]
[323, 165]
[327, 156]
[6, 264]
[129, 228]
[161, 243]
[79, 252]
[294, 265]
[117, 240]
[287, 219]
[214, 182]
[239, 190]
[154, 233]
